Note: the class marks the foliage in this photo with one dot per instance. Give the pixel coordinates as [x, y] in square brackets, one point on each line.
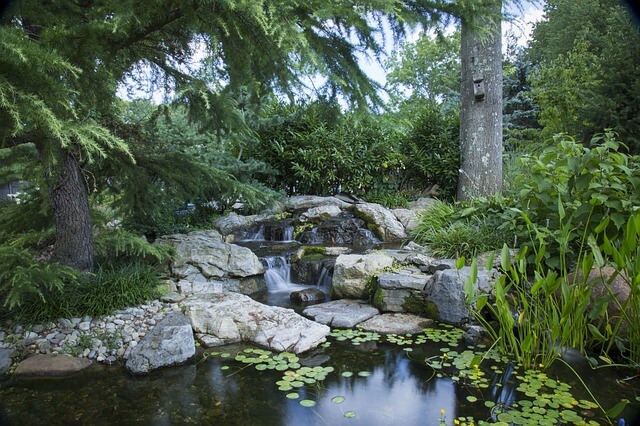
[23, 279]
[47, 291]
[427, 69]
[318, 150]
[584, 184]
[388, 198]
[449, 237]
[119, 246]
[431, 152]
[623, 253]
[587, 80]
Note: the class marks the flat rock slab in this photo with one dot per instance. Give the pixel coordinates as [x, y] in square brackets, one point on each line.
[397, 323]
[51, 365]
[344, 313]
[224, 318]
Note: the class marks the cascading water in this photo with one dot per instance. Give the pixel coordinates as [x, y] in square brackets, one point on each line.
[278, 273]
[324, 281]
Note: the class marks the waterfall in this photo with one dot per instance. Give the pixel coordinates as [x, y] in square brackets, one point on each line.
[324, 281]
[287, 233]
[258, 235]
[278, 273]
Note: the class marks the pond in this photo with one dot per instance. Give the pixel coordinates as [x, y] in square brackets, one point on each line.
[356, 378]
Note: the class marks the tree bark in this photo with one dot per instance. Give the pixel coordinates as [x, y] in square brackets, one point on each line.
[481, 110]
[74, 234]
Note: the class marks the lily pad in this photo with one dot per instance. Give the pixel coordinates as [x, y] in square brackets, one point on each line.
[307, 403]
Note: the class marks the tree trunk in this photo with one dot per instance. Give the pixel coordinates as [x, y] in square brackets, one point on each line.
[74, 235]
[481, 110]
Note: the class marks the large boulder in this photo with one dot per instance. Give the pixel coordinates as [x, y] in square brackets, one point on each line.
[341, 313]
[352, 273]
[223, 318]
[394, 291]
[605, 282]
[408, 218]
[234, 222]
[305, 202]
[445, 291]
[203, 263]
[385, 223]
[169, 343]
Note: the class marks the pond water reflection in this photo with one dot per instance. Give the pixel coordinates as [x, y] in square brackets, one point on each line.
[394, 387]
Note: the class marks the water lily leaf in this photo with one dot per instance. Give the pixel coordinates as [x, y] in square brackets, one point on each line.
[349, 414]
[337, 399]
[472, 398]
[364, 373]
[293, 395]
[347, 374]
[261, 367]
[307, 403]
[224, 367]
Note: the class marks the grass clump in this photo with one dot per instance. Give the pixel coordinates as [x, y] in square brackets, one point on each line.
[448, 236]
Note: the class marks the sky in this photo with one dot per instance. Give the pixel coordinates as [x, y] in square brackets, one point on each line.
[521, 27]
[530, 13]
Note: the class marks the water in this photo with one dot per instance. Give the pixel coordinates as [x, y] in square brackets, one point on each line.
[400, 389]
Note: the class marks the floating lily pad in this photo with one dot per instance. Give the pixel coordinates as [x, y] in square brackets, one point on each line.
[293, 395]
[364, 373]
[307, 403]
[349, 414]
[347, 374]
[337, 399]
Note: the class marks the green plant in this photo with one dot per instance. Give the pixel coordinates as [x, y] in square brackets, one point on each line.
[624, 255]
[449, 237]
[117, 287]
[539, 317]
[119, 245]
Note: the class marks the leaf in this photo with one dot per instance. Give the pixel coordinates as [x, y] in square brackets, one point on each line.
[460, 262]
[307, 403]
[597, 254]
[617, 409]
[505, 258]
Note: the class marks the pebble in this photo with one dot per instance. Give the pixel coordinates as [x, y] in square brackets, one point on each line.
[127, 326]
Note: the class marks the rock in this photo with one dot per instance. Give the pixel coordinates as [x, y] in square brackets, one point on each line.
[315, 214]
[305, 202]
[233, 222]
[308, 295]
[204, 252]
[352, 272]
[170, 342]
[394, 288]
[341, 313]
[422, 203]
[398, 323]
[6, 360]
[475, 335]
[51, 365]
[441, 265]
[446, 291]
[408, 218]
[223, 318]
[386, 224]
[172, 298]
[597, 279]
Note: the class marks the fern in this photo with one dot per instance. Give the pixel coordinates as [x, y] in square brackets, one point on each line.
[121, 244]
[22, 277]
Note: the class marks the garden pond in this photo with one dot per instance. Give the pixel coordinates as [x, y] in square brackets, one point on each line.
[356, 378]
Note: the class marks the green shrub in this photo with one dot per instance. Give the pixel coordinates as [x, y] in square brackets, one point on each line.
[121, 246]
[583, 185]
